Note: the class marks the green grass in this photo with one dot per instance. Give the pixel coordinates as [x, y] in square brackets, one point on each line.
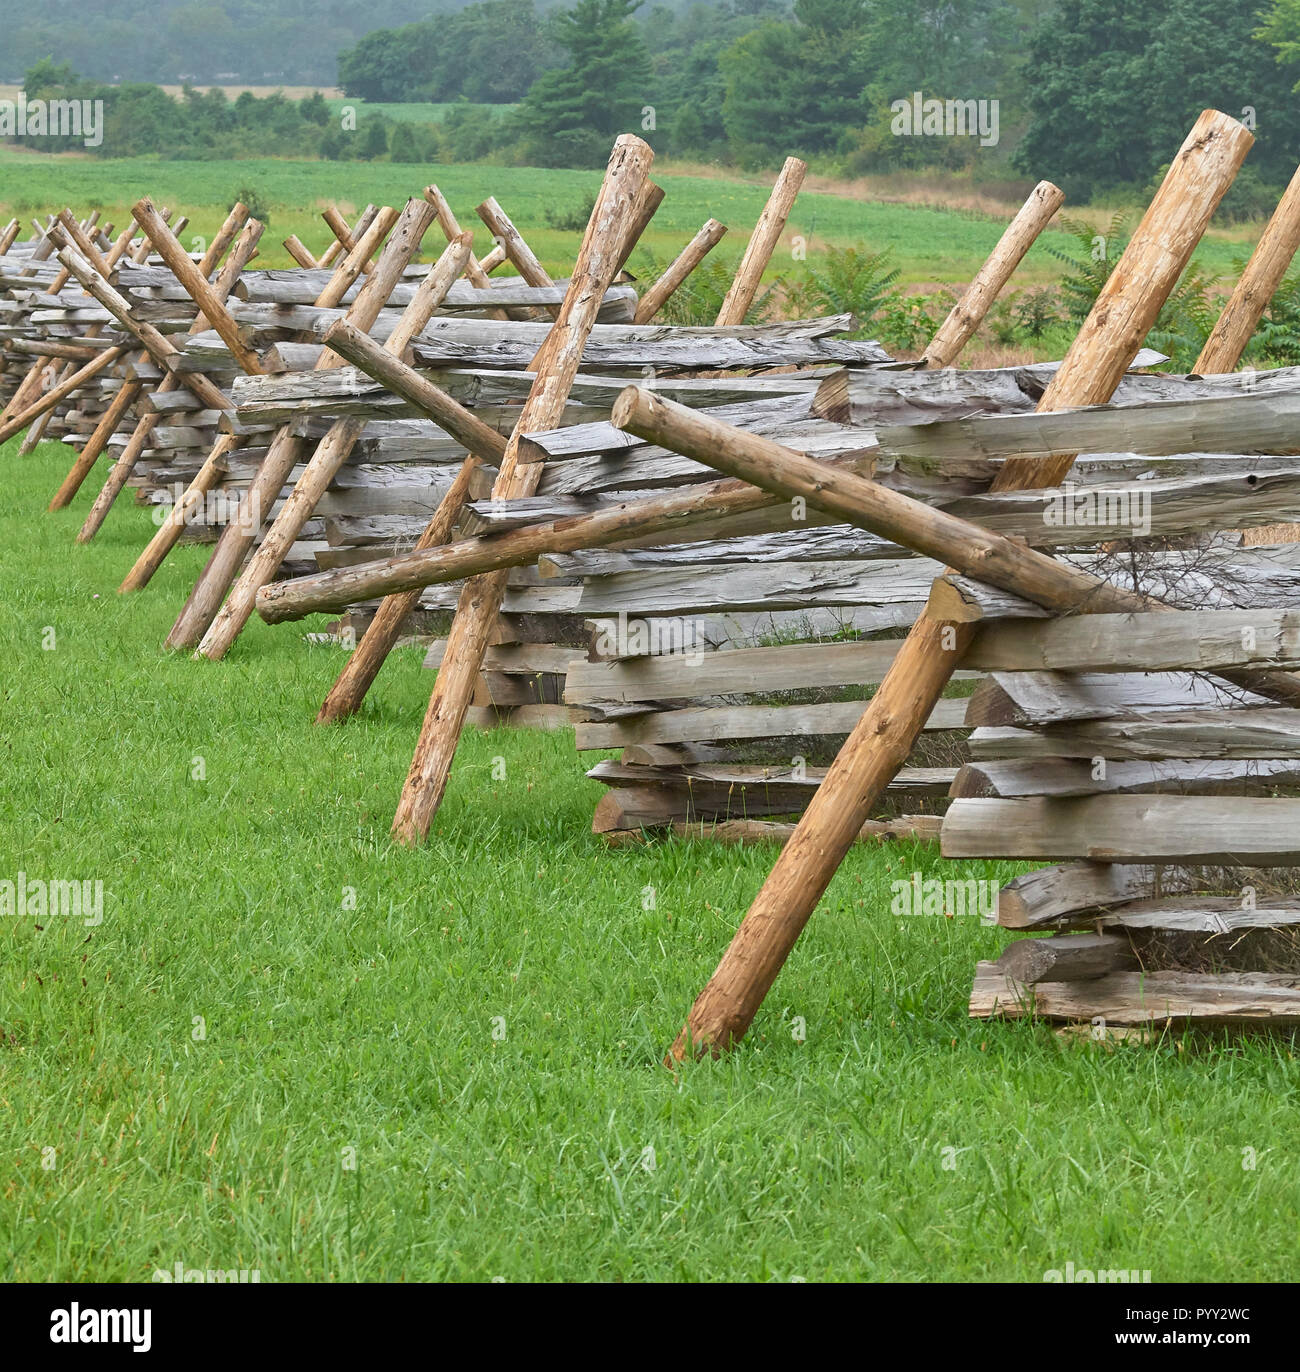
[414, 111]
[930, 245]
[330, 1028]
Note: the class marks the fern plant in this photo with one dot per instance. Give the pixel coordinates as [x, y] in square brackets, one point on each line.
[699, 298]
[1091, 266]
[849, 281]
[1185, 321]
[1277, 340]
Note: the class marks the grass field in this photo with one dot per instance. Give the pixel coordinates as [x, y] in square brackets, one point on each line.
[931, 245]
[191, 1080]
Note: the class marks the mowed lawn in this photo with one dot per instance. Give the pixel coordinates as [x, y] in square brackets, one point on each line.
[295, 1048]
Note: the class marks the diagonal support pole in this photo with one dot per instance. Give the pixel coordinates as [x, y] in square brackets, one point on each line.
[480, 602]
[881, 741]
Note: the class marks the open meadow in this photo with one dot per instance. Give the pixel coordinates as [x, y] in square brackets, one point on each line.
[931, 245]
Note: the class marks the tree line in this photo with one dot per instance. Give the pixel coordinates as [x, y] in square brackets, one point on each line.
[1092, 94]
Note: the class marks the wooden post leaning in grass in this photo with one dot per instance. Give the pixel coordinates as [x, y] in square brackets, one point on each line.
[286, 448]
[367, 659]
[476, 272]
[125, 397]
[1263, 274]
[184, 509]
[480, 601]
[214, 466]
[762, 243]
[431, 400]
[886, 733]
[170, 250]
[196, 284]
[57, 394]
[10, 235]
[690, 257]
[337, 445]
[121, 470]
[968, 313]
[299, 251]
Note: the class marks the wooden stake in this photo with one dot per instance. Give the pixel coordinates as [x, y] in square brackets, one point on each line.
[762, 243]
[519, 253]
[648, 203]
[337, 445]
[103, 431]
[502, 228]
[338, 247]
[192, 499]
[480, 602]
[121, 470]
[287, 448]
[349, 691]
[215, 465]
[183, 268]
[298, 250]
[1264, 272]
[968, 313]
[1241, 315]
[889, 727]
[476, 273]
[678, 270]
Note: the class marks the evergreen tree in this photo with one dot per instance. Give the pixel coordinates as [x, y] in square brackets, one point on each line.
[798, 86]
[571, 116]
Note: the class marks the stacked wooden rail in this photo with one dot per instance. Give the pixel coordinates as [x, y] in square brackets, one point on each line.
[546, 607]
